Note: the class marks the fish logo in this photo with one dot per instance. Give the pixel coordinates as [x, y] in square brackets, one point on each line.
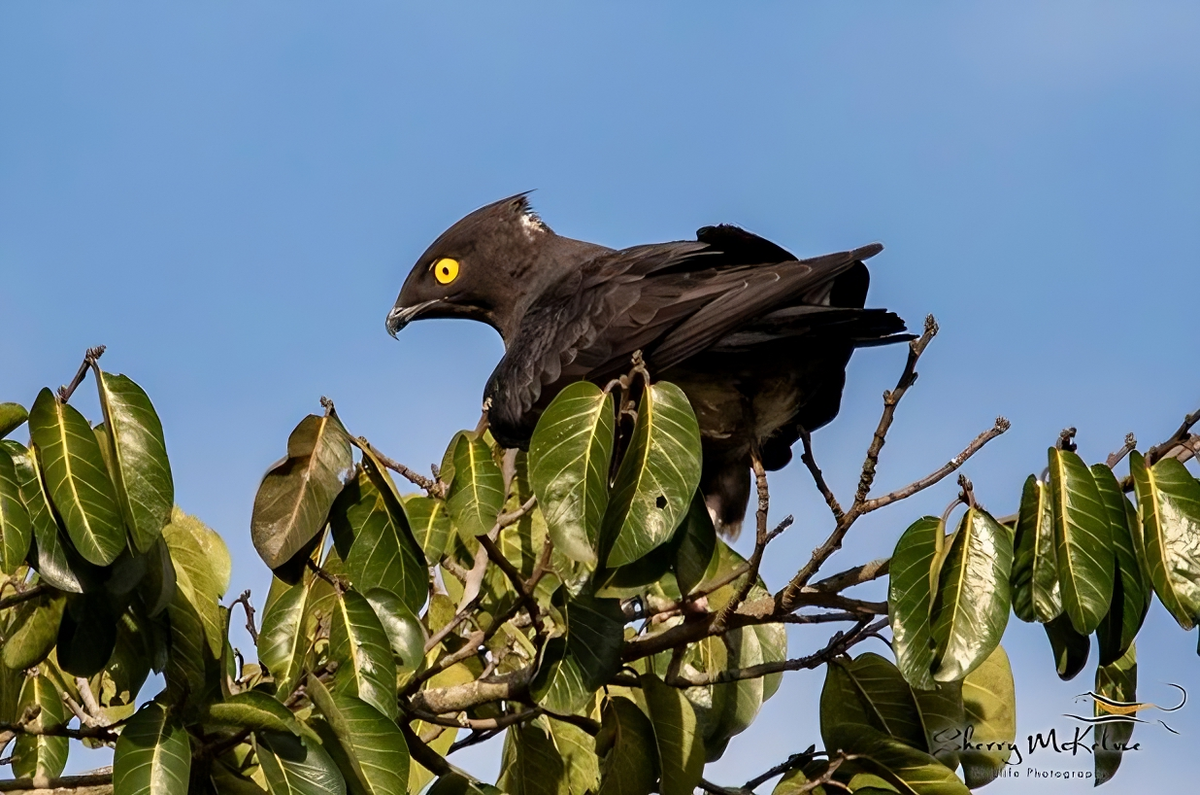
[1110, 710]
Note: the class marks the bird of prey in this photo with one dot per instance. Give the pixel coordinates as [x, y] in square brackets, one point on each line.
[757, 339]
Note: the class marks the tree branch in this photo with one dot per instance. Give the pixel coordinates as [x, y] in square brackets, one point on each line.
[244, 601]
[97, 783]
[89, 360]
[30, 592]
[434, 488]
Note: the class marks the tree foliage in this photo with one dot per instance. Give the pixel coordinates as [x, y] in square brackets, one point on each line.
[574, 599]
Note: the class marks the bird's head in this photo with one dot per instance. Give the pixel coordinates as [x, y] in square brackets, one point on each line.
[476, 269]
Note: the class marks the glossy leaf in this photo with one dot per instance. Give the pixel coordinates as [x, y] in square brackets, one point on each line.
[41, 756]
[1169, 508]
[33, 632]
[1132, 591]
[367, 746]
[1117, 682]
[680, 750]
[195, 577]
[296, 494]
[55, 562]
[77, 479]
[141, 472]
[1069, 647]
[153, 756]
[12, 416]
[695, 544]
[282, 642]
[1082, 541]
[430, 521]
[404, 630]
[569, 458]
[990, 707]
[297, 766]
[253, 710]
[909, 598]
[1036, 594]
[363, 653]
[377, 553]
[477, 493]
[625, 745]
[943, 720]
[16, 529]
[657, 476]
[971, 606]
[575, 667]
[907, 770]
[885, 697]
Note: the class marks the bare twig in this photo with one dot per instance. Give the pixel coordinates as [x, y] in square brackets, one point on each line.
[461, 721]
[811, 462]
[761, 539]
[514, 576]
[428, 758]
[791, 763]
[445, 631]
[433, 488]
[97, 783]
[1066, 440]
[1114, 458]
[90, 704]
[244, 601]
[89, 360]
[25, 594]
[1177, 439]
[337, 582]
[855, 576]
[890, 401]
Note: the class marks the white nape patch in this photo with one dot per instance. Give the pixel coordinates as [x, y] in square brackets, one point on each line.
[532, 224]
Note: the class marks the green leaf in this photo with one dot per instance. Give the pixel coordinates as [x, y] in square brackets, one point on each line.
[253, 710]
[942, 717]
[404, 630]
[696, 540]
[296, 494]
[625, 746]
[377, 553]
[12, 416]
[680, 750]
[1082, 541]
[907, 770]
[1069, 647]
[50, 554]
[990, 705]
[1036, 594]
[33, 632]
[1118, 682]
[1169, 508]
[363, 653]
[141, 472]
[909, 597]
[195, 578]
[41, 756]
[575, 667]
[16, 529]
[569, 458]
[77, 479]
[740, 700]
[477, 493]
[153, 756]
[86, 635]
[431, 525]
[283, 644]
[793, 783]
[459, 783]
[297, 766]
[885, 697]
[548, 757]
[657, 476]
[971, 606]
[367, 746]
[1132, 591]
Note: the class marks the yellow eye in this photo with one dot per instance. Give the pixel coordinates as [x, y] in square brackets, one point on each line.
[445, 270]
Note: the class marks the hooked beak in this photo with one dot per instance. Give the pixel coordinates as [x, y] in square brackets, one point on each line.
[401, 316]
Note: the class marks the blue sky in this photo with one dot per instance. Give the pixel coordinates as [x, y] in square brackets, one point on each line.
[230, 195]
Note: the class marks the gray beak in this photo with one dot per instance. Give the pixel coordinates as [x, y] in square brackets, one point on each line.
[401, 316]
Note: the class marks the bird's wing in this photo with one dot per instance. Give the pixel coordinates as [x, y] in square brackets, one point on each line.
[670, 301]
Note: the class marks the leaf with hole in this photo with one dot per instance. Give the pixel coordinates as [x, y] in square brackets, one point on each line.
[971, 606]
[656, 478]
[569, 458]
[295, 495]
[77, 478]
[1169, 508]
[909, 597]
[1082, 541]
[1035, 589]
